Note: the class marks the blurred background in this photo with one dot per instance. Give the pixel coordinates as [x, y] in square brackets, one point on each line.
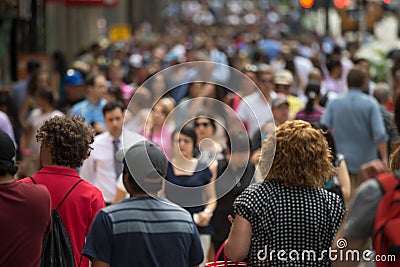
[37, 28]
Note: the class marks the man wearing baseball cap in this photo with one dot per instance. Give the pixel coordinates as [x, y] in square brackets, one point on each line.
[25, 212]
[143, 230]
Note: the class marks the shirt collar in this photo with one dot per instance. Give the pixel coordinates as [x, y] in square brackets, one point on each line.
[59, 171]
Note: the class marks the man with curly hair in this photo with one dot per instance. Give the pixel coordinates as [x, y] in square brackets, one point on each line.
[25, 212]
[64, 145]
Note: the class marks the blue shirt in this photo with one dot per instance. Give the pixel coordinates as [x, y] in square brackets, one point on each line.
[144, 231]
[92, 113]
[357, 126]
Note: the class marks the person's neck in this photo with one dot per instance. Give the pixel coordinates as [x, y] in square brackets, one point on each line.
[116, 135]
[6, 179]
[142, 194]
[93, 100]
[47, 108]
[55, 165]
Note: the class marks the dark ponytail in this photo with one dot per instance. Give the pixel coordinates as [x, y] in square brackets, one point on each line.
[312, 92]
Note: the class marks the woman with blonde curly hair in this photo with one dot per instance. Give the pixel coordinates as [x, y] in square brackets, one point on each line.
[288, 212]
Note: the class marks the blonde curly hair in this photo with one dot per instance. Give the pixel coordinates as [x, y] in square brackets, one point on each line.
[302, 156]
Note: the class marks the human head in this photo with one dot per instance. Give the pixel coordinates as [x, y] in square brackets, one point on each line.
[363, 63]
[283, 81]
[185, 141]
[356, 78]
[382, 93]
[113, 113]
[161, 110]
[280, 109]
[265, 77]
[145, 166]
[96, 87]
[204, 126]
[73, 78]
[44, 97]
[7, 155]
[395, 160]
[302, 157]
[313, 94]
[65, 141]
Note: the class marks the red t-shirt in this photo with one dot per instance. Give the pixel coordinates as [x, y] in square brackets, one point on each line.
[24, 218]
[79, 208]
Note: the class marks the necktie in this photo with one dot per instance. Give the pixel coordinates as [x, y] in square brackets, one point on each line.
[117, 165]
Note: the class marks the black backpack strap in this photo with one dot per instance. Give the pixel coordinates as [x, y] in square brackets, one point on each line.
[33, 180]
[69, 192]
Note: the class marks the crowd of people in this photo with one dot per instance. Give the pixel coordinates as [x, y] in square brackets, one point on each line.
[283, 152]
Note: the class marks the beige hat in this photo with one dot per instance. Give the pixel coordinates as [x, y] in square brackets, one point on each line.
[283, 77]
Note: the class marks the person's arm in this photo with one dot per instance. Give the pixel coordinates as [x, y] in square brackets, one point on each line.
[24, 111]
[211, 198]
[238, 243]
[344, 181]
[383, 152]
[99, 263]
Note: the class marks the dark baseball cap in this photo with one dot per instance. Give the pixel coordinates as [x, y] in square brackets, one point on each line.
[146, 162]
[7, 147]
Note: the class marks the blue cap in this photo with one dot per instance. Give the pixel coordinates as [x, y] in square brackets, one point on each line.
[73, 77]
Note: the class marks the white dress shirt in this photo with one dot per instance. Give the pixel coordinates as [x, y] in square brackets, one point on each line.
[98, 169]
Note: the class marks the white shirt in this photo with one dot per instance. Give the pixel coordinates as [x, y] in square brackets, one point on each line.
[99, 169]
[254, 111]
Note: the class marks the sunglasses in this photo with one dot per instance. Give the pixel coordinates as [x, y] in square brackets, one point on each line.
[204, 124]
[267, 81]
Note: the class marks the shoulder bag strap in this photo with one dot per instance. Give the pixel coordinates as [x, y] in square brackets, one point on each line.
[72, 188]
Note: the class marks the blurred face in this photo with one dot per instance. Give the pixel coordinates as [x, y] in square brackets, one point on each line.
[266, 82]
[203, 128]
[43, 80]
[158, 115]
[99, 89]
[114, 120]
[282, 88]
[183, 144]
[115, 73]
[281, 113]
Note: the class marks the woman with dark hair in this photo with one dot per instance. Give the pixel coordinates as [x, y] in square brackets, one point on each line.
[189, 183]
[205, 128]
[288, 211]
[313, 111]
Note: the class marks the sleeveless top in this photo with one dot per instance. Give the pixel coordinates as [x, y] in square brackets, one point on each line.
[200, 177]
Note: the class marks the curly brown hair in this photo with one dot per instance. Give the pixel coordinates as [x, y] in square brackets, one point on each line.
[68, 138]
[302, 156]
[395, 160]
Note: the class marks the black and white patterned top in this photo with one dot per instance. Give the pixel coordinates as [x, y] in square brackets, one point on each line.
[298, 221]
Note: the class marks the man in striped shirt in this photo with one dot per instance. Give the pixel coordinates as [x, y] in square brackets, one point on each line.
[143, 230]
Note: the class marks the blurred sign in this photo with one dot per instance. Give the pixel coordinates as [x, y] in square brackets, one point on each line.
[119, 32]
[106, 3]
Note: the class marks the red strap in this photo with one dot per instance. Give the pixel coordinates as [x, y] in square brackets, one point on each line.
[388, 181]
